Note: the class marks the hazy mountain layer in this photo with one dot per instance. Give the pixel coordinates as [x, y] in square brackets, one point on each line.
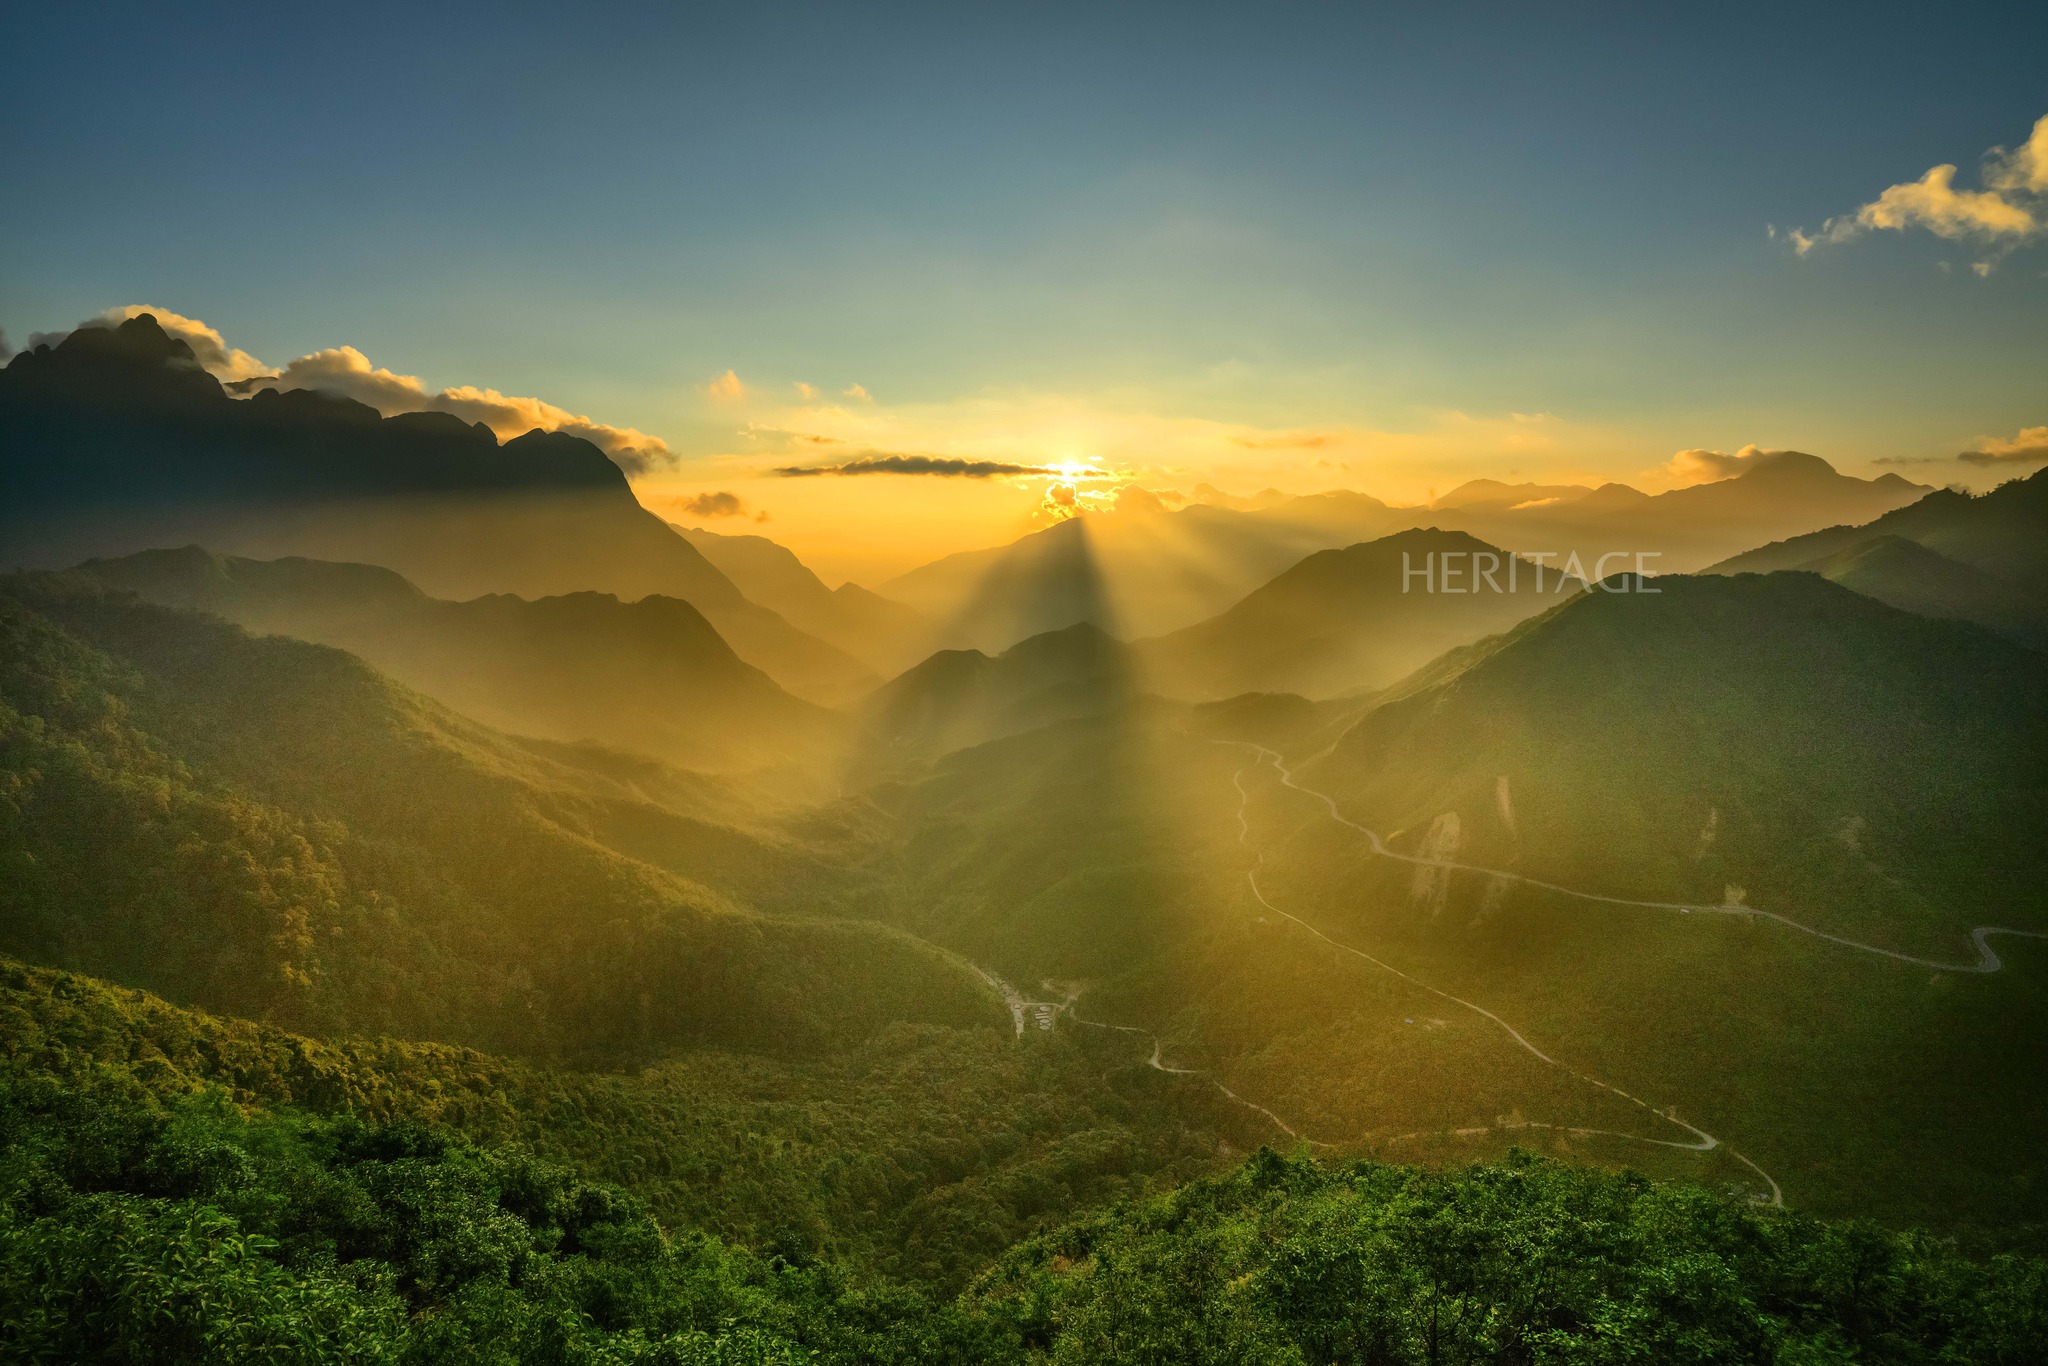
[1142, 570]
[116, 441]
[1687, 528]
[1359, 618]
[650, 676]
[885, 635]
[2003, 533]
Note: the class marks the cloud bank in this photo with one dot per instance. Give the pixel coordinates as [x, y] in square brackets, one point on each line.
[2010, 209]
[942, 465]
[719, 504]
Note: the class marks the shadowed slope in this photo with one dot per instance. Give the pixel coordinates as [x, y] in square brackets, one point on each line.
[1912, 578]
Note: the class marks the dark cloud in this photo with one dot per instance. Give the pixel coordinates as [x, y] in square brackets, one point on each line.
[878, 463]
[719, 504]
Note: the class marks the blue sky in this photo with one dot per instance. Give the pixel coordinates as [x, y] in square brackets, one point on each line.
[1276, 217]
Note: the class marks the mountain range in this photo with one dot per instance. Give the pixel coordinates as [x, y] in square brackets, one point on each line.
[650, 676]
[118, 441]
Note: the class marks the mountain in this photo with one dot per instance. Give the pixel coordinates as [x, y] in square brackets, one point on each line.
[273, 829]
[885, 635]
[1140, 570]
[1782, 734]
[1494, 493]
[1137, 570]
[1352, 619]
[2003, 533]
[1781, 494]
[1913, 578]
[959, 698]
[116, 441]
[650, 676]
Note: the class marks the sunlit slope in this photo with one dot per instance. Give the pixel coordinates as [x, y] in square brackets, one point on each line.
[116, 441]
[882, 633]
[271, 828]
[1359, 618]
[1913, 578]
[651, 676]
[1876, 770]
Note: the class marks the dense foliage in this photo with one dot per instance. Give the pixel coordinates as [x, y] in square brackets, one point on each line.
[137, 1226]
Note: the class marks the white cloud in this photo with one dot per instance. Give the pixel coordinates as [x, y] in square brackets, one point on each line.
[2011, 208]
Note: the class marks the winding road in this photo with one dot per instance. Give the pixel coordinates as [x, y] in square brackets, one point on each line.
[1987, 958]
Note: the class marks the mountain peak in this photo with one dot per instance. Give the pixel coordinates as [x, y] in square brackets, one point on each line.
[1790, 465]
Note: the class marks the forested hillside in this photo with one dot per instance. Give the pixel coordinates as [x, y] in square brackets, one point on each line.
[178, 1189]
[272, 829]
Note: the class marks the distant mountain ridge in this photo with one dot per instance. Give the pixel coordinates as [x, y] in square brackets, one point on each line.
[1140, 570]
[115, 440]
[651, 676]
[1353, 619]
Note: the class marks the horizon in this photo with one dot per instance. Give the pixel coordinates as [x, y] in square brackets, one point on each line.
[1390, 252]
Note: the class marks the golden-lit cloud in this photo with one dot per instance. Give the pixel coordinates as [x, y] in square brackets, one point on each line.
[727, 388]
[1700, 466]
[347, 371]
[2028, 446]
[2011, 208]
[857, 393]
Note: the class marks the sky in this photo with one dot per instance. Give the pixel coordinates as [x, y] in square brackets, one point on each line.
[1300, 246]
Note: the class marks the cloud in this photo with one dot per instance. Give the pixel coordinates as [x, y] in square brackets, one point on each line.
[2012, 208]
[347, 371]
[215, 356]
[857, 393]
[2028, 446]
[882, 463]
[719, 504]
[1698, 466]
[727, 388]
[807, 392]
